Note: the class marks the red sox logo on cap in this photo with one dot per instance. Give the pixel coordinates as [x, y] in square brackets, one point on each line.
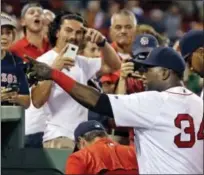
[144, 41]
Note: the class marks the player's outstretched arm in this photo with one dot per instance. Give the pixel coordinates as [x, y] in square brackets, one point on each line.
[86, 96]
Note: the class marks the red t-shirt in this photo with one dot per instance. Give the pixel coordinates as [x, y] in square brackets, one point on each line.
[104, 154]
[23, 47]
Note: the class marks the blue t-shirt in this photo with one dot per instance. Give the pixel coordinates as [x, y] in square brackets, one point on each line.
[12, 73]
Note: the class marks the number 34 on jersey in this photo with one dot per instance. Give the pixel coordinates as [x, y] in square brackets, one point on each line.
[190, 130]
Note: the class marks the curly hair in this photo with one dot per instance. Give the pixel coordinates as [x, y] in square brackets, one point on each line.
[56, 24]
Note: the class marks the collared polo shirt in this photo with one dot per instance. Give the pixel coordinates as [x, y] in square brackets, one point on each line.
[102, 155]
[23, 47]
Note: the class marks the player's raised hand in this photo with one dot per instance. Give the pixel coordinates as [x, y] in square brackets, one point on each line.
[93, 35]
[40, 71]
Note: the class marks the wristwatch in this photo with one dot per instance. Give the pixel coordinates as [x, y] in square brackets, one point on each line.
[102, 43]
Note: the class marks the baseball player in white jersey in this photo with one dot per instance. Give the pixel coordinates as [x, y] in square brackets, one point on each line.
[167, 118]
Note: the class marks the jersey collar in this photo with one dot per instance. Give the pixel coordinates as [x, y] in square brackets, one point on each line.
[179, 90]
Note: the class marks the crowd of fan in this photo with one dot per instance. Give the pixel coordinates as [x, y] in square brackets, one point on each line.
[51, 114]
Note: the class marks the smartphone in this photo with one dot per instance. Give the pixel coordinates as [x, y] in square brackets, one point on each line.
[71, 51]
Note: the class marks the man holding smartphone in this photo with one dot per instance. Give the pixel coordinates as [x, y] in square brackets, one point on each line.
[61, 112]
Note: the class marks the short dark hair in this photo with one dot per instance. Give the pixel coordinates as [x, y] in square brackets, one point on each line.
[56, 24]
[90, 136]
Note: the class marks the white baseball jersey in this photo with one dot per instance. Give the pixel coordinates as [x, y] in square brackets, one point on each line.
[169, 129]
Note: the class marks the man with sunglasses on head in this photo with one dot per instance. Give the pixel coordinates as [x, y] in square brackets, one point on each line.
[167, 119]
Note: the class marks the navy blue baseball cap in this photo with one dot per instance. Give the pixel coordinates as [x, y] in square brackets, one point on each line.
[165, 57]
[85, 127]
[190, 42]
[144, 43]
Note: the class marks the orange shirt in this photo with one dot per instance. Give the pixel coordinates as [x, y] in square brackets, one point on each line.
[104, 154]
[23, 47]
